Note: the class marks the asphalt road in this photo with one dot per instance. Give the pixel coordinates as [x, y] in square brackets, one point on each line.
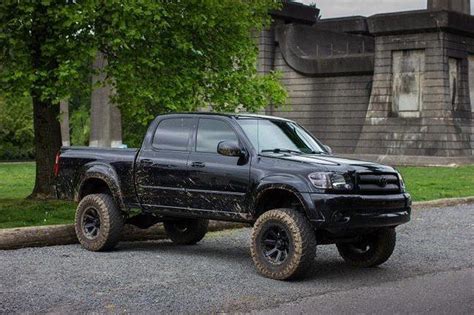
[431, 271]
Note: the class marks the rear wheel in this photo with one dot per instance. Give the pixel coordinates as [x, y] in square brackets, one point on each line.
[371, 250]
[98, 222]
[186, 231]
[283, 244]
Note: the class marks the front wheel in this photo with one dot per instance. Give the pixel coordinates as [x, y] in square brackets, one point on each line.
[371, 250]
[283, 244]
[186, 231]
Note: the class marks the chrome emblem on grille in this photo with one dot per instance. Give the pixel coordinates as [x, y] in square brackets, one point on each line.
[382, 181]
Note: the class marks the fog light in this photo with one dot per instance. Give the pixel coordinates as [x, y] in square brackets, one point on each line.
[339, 217]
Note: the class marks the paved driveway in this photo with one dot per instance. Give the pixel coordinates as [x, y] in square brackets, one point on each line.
[432, 267]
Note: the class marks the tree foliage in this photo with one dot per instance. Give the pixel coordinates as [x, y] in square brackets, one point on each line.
[162, 55]
[16, 129]
[182, 56]
[46, 46]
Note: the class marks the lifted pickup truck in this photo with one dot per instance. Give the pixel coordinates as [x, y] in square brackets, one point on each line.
[266, 171]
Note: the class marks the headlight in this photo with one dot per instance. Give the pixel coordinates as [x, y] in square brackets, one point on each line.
[402, 183]
[327, 180]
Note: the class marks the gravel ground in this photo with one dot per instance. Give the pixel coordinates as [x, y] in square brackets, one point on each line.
[218, 274]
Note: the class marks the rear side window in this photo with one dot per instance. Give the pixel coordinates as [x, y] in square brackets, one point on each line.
[173, 134]
[212, 131]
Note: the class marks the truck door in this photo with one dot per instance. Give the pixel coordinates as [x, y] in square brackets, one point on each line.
[161, 167]
[217, 183]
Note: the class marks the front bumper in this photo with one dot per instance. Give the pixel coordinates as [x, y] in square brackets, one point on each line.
[359, 211]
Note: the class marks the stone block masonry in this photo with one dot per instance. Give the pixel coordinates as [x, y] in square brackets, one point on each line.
[390, 84]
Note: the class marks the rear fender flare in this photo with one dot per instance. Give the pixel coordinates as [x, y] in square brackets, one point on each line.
[105, 173]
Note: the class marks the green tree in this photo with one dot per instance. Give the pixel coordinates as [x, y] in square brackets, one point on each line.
[44, 46]
[162, 55]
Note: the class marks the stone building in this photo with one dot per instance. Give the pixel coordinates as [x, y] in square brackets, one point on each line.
[396, 87]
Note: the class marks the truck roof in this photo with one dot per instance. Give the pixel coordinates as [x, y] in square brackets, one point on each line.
[234, 115]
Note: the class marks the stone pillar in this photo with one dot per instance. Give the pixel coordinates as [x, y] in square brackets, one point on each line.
[266, 54]
[418, 98]
[116, 127]
[64, 121]
[471, 95]
[462, 6]
[106, 127]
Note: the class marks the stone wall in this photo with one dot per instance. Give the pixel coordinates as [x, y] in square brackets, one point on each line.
[391, 84]
[442, 125]
[332, 107]
[266, 50]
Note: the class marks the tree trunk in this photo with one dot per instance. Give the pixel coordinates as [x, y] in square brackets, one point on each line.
[45, 114]
[47, 144]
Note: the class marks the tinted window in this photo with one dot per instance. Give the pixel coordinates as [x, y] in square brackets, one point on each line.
[211, 132]
[173, 134]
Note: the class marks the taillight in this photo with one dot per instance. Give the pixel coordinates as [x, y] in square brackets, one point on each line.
[56, 164]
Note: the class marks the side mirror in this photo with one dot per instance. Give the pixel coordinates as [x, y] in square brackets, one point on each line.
[229, 148]
[328, 148]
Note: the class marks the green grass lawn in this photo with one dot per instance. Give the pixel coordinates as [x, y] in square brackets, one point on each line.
[16, 183]
[17, 180]
[429, 183]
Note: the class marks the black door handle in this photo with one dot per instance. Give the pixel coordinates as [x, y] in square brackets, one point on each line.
[198, 164]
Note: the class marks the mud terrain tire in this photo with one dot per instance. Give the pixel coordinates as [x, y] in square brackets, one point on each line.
[373, 250]
[283, 244]
[98, 222]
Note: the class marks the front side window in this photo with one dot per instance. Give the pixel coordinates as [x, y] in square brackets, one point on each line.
[279, 136]
[212, 131]
[173, 134]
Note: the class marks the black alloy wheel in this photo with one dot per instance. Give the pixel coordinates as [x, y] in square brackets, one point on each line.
[91, 223]
[276, 244]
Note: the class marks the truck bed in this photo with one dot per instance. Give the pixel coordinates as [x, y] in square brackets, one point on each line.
[76, 161]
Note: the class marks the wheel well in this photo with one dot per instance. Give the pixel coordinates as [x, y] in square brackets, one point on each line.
[94, 186]
[278, 198]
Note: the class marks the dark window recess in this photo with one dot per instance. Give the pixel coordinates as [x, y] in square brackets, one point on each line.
[173, 134]
[212, 131]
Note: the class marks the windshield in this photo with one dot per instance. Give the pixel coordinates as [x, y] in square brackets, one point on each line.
[279, 136]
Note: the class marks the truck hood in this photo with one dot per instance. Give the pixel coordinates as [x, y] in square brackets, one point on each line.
[332, 163]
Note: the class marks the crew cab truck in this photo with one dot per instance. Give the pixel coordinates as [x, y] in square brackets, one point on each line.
[266, 171]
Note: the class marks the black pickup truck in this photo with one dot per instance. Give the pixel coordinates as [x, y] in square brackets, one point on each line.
[266, 171]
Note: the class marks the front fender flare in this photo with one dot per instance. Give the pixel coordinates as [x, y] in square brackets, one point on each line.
[291, 183]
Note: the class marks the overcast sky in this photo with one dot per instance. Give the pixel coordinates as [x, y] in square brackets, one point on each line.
[337, 8]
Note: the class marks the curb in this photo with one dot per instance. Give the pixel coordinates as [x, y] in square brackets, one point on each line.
[413, 160]
[447, 202]
[51, 235]
[64, 234]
